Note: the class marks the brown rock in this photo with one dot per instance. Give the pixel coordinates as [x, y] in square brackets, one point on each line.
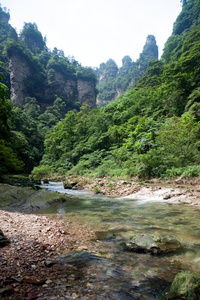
[34, 280]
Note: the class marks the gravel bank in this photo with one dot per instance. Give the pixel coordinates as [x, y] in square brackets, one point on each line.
[27, 270]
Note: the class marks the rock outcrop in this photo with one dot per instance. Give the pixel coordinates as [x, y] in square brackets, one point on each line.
[86, 92]
[67, 87]
[19, 71]
[113, 82]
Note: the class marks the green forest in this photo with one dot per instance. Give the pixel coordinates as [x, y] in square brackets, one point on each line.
[152, 130]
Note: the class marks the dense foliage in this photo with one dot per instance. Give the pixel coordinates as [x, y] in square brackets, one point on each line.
[150, 131]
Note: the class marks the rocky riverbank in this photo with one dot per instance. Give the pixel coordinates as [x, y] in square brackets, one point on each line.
[176, 191]
[27, 269]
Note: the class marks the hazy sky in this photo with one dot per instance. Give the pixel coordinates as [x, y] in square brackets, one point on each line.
[95, 30]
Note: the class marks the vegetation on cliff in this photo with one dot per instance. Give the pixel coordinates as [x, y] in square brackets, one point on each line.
[41, 75]
[150, 131]
[114, 81]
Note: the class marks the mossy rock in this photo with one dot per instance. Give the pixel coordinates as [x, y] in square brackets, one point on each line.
[185, 286]
[10, 194]
[154, 244]
[26, 199]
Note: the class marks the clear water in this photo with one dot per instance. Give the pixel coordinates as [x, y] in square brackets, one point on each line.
[129, 275]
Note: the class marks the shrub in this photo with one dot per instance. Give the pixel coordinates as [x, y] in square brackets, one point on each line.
[185, 172]
[42, 171]
[191, 171]
[174, 172]
[97, 190]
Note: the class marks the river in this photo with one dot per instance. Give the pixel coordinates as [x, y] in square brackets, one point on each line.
[126, 275]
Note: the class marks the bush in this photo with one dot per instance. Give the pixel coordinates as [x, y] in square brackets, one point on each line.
[191, 171]
[186, 172]
[79, 169]
[42, 171]
[109, 167]
[97, 190]
[174, 172]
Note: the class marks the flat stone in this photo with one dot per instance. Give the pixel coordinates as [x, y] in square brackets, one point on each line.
[34, 280]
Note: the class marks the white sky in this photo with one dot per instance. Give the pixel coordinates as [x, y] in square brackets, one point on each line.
[95, 30]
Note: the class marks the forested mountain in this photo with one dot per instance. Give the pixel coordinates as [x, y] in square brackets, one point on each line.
[43, 86]
[152, 130]
[114, 81]
[32, 70]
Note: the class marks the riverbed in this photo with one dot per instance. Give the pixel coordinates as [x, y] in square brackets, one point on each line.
[117, 274]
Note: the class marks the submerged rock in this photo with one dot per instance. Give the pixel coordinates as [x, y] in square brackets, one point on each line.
[3, 240]
[151, 243]
[78, 259]
[105, 235]
[185, 286]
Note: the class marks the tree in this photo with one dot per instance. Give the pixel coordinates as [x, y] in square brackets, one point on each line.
[5, 111]
[8, 158]
[184, 2]
[179, 138]
[32, 37]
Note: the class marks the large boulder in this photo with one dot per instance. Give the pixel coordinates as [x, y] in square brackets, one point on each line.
[3, 240]
[185, 286]
[153, 244]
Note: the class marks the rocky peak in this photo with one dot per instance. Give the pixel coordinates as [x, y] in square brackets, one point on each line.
[150, 49]
[150, 39]
[4, 15]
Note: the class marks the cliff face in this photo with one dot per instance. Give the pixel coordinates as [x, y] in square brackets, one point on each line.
[86, 92]
[79, 90]
[19, 71]
[67, 85]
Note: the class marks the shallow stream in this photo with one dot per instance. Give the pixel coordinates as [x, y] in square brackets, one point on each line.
[118, 274]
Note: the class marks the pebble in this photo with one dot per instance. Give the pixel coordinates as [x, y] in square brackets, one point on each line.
[82, 248]
[34, 267]
[74, 295]
[48, 281]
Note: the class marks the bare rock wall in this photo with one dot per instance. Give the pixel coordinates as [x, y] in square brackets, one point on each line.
[19, 70]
